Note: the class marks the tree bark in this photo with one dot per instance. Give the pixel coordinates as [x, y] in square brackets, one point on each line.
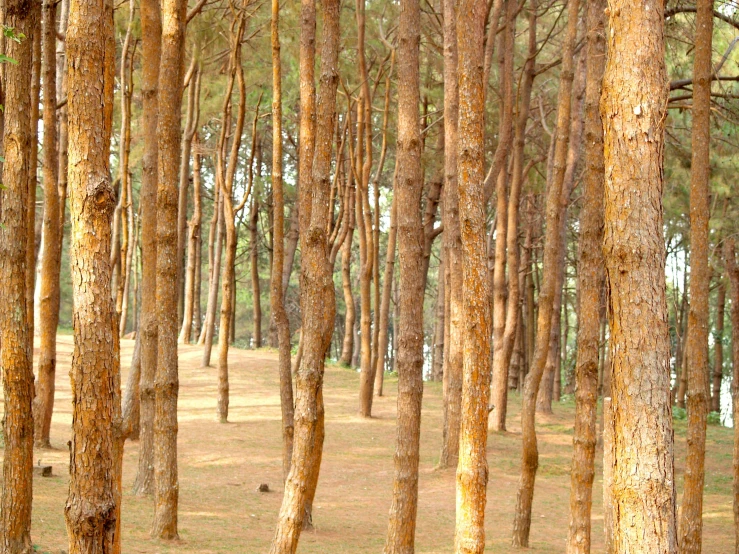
[552, 247]
[166, 386]
[452, 379]
[17, 342]
[347, 348]
[318, 301]
[151, 33]
[690, 525]
[590, 282]
[387, 285]
[633, 110]
[402, 522]
[51, 257]
[193, 244]
[472, 469]
[277, 300]
[90, 511]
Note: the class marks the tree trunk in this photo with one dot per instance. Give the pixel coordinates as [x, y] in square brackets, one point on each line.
[732, 271]
[318, 302]
[452, 379]
[151, 32]
[690, 527]
[402, 522]
[191, 281]
[206, 335]
[34, 36]
[166, 484]
[90, 511]
[505, 316]
[590, 282]
[254, 258]
[718, 348]
[437, 351]
[387, 285]
[347, 348]
[633, 110]
[472, 470]
[51, 258]
[276, 297]
[552, 247]
[16, 355]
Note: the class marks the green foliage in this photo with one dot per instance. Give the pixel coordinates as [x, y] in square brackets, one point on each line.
[714, 418]
[680, 414]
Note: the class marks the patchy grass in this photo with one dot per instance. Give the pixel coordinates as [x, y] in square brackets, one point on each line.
[221, 466]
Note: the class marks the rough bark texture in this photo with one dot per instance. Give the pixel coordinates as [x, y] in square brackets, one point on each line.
[402, 523]
[17, 342]
[151, 32]
[590, 284]
[690, 528]
[318, 301]
[472, 469]
[452, 379]
[732, 271]
[552, 247]
[277, 302]
[633, 111]
[52, 252]
[91, 505]
[193, 244]
[166, 385]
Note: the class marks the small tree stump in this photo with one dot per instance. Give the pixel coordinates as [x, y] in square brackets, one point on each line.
[43, 471]
[264, 487]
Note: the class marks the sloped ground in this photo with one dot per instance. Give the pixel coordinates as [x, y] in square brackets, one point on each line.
[222, 465]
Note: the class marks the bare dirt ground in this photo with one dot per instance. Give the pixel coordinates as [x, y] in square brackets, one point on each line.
[221, 466]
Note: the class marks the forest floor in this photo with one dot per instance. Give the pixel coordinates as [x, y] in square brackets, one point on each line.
[221, 466]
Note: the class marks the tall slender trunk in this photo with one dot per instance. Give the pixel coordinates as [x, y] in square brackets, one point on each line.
[452, 379]
[472, 470]
[226, 182]
[318, 303]
[151, 33]
[402, 522]
[34, 36]
[216, 251]
[347, 347]
[732, 272]
[16, 355]
[51, 256]
[90, 511]
[633, 110]
[387, 285]
[552, 247]
[126, 215]
[277, 301]
[193, 244]
[718, 348]
[254, 259]
[166, 483]
[690, 528]
[505, 314]
[590, 282]
[437, 349]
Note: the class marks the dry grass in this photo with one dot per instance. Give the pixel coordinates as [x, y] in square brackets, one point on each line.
[221, 466]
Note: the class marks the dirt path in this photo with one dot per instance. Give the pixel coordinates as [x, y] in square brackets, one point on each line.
[222, 465]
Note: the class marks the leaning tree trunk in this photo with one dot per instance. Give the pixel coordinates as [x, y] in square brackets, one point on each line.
[452, 378]
[401, 532]
[91, 505]
[633, 109]
[318, 300]
[16, 354]
[552, 246]
[691, 510]
[590, 284]
[151, 32]
[472, 470]
[52, 252]
[166, 484]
